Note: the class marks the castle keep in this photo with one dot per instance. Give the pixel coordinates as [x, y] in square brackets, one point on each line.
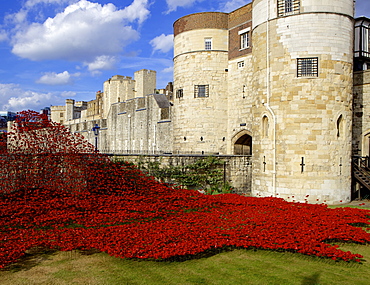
[285, 81]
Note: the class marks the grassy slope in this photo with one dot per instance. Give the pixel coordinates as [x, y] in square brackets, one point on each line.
[234, 267]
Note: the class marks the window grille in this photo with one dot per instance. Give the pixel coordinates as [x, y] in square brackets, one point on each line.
[201, 91]
[207, 43]
[179, 93]
[240, 64]
[288, 7]
[307, 67]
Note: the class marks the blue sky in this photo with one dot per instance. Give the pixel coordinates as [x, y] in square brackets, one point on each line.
[51, 50]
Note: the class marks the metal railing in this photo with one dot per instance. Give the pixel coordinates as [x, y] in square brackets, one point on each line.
[155, 152]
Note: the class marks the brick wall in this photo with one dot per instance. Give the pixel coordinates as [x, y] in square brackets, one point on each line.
[208, 20]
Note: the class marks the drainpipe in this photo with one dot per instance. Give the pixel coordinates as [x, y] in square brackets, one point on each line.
[129, 134]
[267, 104]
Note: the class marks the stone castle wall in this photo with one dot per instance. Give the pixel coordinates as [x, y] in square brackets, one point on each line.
[237, 170]
[297, 128]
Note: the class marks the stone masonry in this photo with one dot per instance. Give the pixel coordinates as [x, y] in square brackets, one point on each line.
[270, 81]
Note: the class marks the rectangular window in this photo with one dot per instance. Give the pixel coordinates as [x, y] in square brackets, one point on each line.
[288, 7]
[179, 93]
[366, 41]
[208, 43]
[240, 64]
[61, 115]
[308, 67]
[244, 40]
[201, 91]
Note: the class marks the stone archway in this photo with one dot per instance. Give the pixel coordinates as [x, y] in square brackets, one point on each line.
[242, 143]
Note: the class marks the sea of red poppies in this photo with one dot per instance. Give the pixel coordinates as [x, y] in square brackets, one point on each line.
[55, 192]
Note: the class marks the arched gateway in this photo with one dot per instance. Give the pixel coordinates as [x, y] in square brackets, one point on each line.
[242, 143]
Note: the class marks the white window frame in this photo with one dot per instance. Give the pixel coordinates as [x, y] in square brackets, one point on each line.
[244, 38]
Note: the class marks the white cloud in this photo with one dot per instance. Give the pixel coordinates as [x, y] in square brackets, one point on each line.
[174, 4]
[68, 94]
[103, 62]
[138, 10]
[16, 99]
[17, 18]
[162, 43]
[84, 31]
[232, 5]
[168, 70]
[52, 78]
[3, 35]
[32, 3]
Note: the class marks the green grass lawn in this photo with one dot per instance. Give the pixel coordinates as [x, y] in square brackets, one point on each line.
[232, 267]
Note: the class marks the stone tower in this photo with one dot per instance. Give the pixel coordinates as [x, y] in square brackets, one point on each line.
[69, 113]
[117, 89]
[200, 80]
[145, 82]
[302, 88]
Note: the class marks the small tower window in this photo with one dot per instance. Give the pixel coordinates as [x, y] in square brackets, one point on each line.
[265, 127]
[179, 93]
[288, 7]
[201, 91]
[308, 67]
[208, 43]
[340, 128]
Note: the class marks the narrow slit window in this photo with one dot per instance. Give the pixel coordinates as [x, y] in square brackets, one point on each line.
[265, 126]
[340, 127]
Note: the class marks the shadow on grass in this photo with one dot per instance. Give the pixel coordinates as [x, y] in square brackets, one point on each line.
[182, 258]
[311, 280]
[32, 258]
[37, 255]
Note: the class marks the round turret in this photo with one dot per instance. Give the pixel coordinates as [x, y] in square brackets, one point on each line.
[200, 82]
[302, 68]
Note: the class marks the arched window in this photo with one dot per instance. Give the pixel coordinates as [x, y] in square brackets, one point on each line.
[340, 127]
[265, 126]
